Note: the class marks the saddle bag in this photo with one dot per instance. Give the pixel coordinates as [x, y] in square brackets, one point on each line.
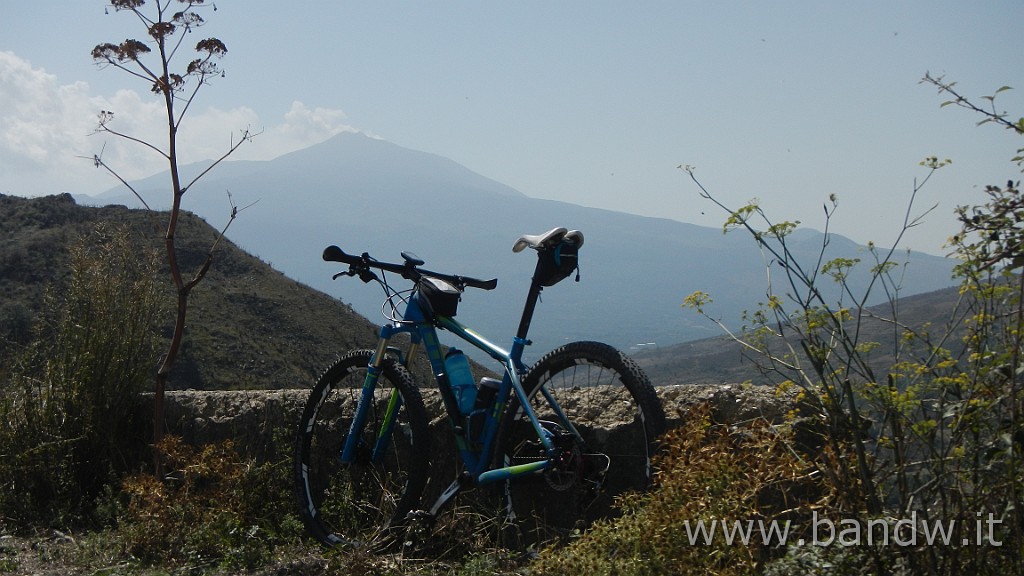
[557, 263]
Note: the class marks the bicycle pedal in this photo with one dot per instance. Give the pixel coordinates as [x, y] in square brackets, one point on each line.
[419, 515]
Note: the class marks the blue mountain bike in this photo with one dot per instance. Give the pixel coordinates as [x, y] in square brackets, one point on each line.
[556, 441]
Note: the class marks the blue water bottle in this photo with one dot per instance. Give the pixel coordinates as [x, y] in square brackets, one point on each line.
[461, 379]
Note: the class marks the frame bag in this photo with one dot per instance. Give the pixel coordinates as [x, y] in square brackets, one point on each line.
[442, 298]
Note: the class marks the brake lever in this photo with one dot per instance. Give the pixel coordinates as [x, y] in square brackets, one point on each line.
[364, 273]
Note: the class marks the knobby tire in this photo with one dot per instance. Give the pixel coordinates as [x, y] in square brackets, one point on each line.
[613, 405]
[363, 501]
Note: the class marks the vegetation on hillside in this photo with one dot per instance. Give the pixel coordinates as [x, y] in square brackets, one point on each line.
[251, 327]
[723, 360]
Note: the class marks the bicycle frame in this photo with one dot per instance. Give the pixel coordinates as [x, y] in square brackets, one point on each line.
[422, 331]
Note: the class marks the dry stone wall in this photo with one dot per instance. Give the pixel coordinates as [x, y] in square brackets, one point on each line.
[262, 423]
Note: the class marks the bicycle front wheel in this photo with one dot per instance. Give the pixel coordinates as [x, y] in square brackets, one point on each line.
[608, 400]
[358, 501]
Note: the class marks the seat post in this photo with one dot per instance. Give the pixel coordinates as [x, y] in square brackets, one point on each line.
[531, 300]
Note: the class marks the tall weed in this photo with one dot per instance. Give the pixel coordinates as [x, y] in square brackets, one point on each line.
[215, 508]
[71, 399]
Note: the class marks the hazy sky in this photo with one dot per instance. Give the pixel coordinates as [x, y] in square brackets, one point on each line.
[591, 102]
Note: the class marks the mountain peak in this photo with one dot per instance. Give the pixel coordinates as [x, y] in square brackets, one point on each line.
[349, 155]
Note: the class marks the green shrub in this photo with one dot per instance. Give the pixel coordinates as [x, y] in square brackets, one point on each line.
[705, 472]
[71, 398]
[215, 507]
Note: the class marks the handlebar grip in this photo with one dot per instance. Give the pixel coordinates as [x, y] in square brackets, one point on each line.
[334, 254]
[481, 284]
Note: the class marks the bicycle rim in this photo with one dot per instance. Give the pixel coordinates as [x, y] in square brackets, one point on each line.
[361, 501]
[611, 403]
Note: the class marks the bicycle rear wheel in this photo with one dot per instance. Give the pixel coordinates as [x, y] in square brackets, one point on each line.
[611, 403]
[360, 501]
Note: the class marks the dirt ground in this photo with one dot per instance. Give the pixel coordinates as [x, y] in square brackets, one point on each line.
[42, 554]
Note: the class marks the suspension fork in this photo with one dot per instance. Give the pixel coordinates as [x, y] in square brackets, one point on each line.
[394, 403]
[373, 372]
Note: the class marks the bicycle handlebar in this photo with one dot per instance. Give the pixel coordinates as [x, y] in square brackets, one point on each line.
[410, 270]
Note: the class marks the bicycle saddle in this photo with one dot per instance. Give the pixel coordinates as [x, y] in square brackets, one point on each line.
[549, 238]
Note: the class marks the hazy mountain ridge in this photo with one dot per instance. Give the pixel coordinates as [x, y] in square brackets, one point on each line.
[722, 360]
[249, 326]
[252, 327]
[374, 196]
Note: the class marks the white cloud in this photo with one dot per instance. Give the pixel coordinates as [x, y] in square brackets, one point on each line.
[47, 132]
[302, 127]
[34, 111]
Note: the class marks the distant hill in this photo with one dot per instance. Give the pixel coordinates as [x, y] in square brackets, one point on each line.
[252, 327]
[373, 196]
[249, 326]
[720, 360]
